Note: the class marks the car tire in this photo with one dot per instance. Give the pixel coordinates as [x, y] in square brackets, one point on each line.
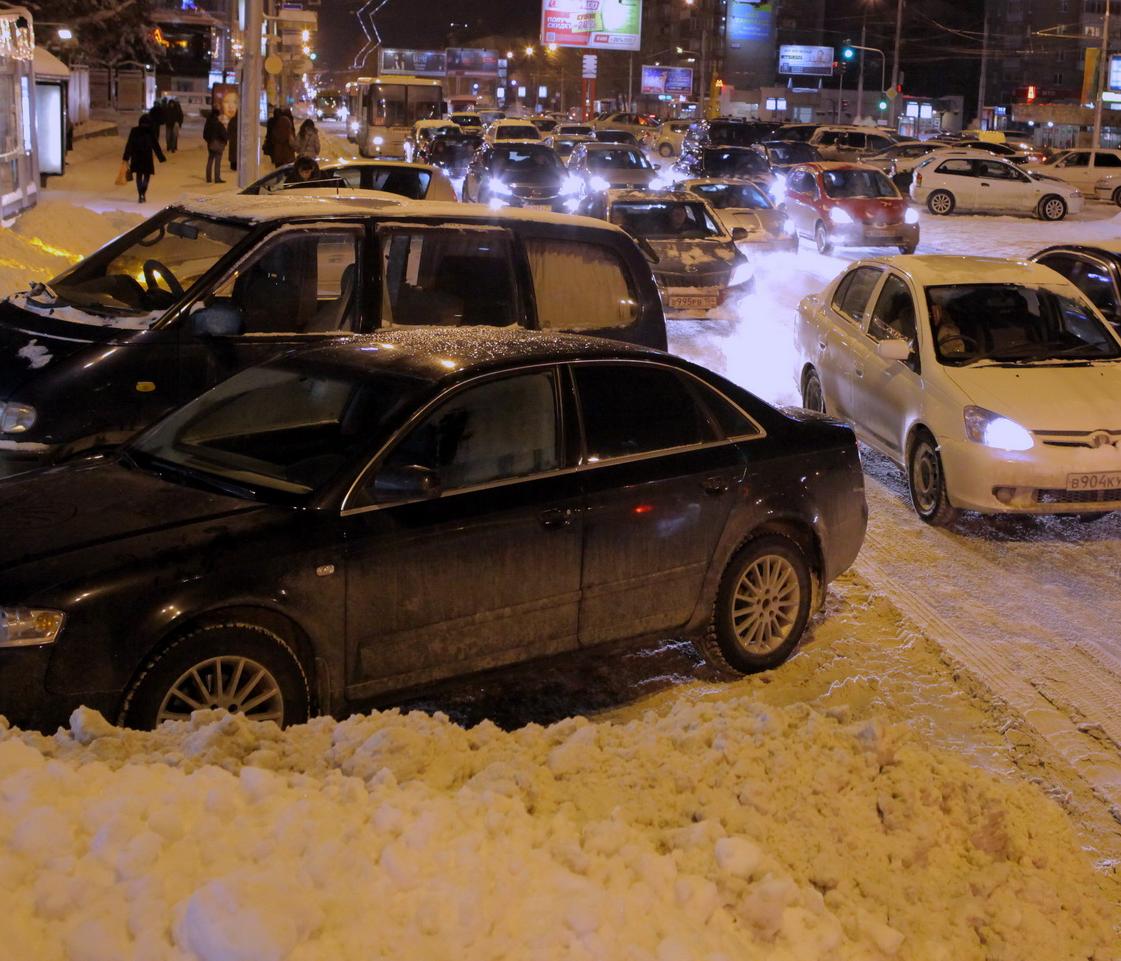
[665, 150]
[941, 203]
[926, 481]
[907, 248]
[1052, 208]
[268, 682]
[1117, 196]
[813, 396]
[762, 607]
[821, 238]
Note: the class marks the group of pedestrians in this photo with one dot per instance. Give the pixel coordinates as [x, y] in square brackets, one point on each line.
[283, 145]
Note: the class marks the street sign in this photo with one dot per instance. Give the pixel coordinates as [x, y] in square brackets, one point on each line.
[273, 64]
[891, 94]
[591, 64]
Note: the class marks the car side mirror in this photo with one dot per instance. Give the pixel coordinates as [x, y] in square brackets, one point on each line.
[217, 320]
[895, 349]
[408, 482]
[739, 233]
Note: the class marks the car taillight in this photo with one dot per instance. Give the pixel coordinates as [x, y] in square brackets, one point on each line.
[918, 179]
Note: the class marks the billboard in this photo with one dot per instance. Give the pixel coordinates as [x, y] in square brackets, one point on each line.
[805, 61]
[667, 80]
[472, 62]
[749, 20]
[592, 24]
[413, 63]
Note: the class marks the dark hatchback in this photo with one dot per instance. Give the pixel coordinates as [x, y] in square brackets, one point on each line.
[367, 518]
[724, 162]
[517, 174]
[203, 290]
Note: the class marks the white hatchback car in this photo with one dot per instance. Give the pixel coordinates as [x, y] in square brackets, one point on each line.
[961, 180]
[993, 383]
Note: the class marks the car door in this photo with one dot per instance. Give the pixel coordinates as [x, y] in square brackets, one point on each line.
[885, 392]
[1002, 188]
[299, 287]
[1092, 275]
[801, 190]
[842, 319]
[1107, 163]
[488, 571]
[1075, 167]
[658, 477]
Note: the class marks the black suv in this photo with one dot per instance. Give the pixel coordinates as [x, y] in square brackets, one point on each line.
[517, 174]
[204, 289]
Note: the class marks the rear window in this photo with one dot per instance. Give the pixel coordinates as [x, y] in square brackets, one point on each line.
[617, 160]
[521, 132]
[841, 184]
[580, 286]
[664, 220]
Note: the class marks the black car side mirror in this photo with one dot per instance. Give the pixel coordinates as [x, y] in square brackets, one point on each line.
[217, 320]
[406, 483]
[739, 233]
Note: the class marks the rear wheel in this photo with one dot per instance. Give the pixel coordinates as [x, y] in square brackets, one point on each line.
[1052, 207]
[762, 607]
[927, 482]
[906, 248]
[1117, 196]
[821, 238]
[813, 397]
[665, 150]
[241, 668]
[940, 203]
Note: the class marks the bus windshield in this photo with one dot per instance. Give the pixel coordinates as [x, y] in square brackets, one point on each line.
[402, 105]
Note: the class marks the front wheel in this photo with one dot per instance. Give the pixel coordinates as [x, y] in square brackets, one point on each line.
[907, 248]
[665, 150]
[927, 482]
[241, 668]
[762, 607]
[1052, 207]
[813, 397]
[941, 203]
[1117, 196]
[821, 238]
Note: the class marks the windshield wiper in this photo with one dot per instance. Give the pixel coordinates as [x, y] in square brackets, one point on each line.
[37, 288]
[160, 466]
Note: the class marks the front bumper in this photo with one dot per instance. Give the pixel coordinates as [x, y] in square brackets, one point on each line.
[768, 244]
[27, 703]
[980, 478]
[872, 235]
[16, 457]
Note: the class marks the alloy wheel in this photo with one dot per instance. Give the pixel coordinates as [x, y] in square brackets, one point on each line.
[1054, 208]
[238, 684]
[941, 203]
[765, 604]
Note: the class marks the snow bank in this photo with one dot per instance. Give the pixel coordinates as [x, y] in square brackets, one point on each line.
[721, 829]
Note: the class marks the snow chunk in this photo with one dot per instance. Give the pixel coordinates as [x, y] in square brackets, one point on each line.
[35, 354]
[87, 725]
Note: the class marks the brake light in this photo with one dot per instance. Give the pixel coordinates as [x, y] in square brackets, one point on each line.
[918, 178]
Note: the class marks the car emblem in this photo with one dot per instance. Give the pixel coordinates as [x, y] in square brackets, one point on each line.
[1100, 438]
[692, 268]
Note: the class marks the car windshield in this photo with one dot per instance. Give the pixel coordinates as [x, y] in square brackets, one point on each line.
[617, 160]
[448, 130]
[842, 184]
[734, 196]
[526, 164]
[516, 132]
[727, 163]
[1015, 323]
[791, 153]
[615, 136]
[467, 120]
[733, 133]
[575, 130]
[286, 428]
[664, 220]
[148, 268]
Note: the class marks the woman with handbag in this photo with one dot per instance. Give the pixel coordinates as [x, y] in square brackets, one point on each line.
[139, 150]
[215, 134]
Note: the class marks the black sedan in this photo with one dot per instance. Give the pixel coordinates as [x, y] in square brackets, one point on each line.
[354, 520]
[724, 162]
[517, 174]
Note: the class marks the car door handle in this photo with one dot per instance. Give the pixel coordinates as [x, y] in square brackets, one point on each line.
[821, 345]
[983, 184]
[859, 371]
[714, 486]
[555, 518]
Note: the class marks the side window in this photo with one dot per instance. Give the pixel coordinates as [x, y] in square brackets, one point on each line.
[1077, 158]
[498, 430]
[957, 168]
[616, 404]
[301, 283]
[894, 314]
[447, 277]
[1092, 278]
[1103, 159]
[853, 301]
[995, 170]
[878, 143]
[580, 286]
[828, 138]
[856, 141]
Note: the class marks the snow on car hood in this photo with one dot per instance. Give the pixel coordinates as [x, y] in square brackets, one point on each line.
[753, 221]
[1055, 397]
[76, 315]
[693, 255]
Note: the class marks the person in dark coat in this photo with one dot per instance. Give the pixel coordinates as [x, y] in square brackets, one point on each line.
[281, 140]
[173, 117]
[215, 135]
[232, 133]
[158, 113]
[140, 147]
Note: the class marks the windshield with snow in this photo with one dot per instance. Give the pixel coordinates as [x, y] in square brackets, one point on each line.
[148, 268]
[845, 184]
[664, 220]
[1016, 324]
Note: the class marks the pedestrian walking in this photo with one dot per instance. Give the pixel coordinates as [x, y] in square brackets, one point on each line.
[140, 149]
[307, 140]
[215, 135]
[173, 117]
[232, 134]
[280, 138]
[159, 117]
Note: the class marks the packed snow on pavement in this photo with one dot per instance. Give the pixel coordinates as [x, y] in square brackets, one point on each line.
[870, 799]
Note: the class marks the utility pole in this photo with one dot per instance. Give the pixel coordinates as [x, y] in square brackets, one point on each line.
[895, 62]
[840, 91]
[630, 83]
[249, 95]
[1103, 76]
[984, 70]
[860, 81]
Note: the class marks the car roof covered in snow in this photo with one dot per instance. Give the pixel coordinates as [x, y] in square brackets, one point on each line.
[626, 194]
[935, 270]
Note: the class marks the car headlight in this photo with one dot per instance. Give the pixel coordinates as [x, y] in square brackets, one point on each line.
[911, 216]
[984, 427]
[500, 188]
[571, 186]
[742, 274]
[839, 216]
[378, 141]
[788, 227]
[26, 627]
[599, 183]
[16, 418]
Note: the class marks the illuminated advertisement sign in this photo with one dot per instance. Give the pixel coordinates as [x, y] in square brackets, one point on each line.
[592, 24]
[413, 63]
[1114, 82]
[667, 80]
[805, 61]
[749, 20]
[472, 62]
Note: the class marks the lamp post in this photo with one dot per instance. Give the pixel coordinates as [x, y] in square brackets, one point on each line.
[883, 69]
[1103, 76]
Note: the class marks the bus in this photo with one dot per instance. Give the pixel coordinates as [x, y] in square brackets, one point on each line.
[384, 110]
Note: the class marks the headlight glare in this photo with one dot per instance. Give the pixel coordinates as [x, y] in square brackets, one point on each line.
[984, 427]
[498, 187]
[571, 186]
[26, 627]
[598, 183]
[911, 216]
[16, 418]
[840, 216]
[741, 275]
[788, 227]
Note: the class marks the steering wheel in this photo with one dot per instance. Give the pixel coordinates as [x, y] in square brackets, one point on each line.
[151, 268]
[969, 345]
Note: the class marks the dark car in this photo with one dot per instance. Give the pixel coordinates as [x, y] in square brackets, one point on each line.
[452, 149]
[355, 520]
[413, 181]
[616, 136]
[724, 133]
[724, 162]
[781, 155]
[517, 175]
[1095, 269]
[604, 166]
[202, 290]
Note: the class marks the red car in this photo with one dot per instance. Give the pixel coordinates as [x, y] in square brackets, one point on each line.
[849, 205]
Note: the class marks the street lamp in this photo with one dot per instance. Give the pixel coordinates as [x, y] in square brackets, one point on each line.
[65, 33]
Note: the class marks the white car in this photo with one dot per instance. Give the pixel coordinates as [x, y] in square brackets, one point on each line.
[993, 383]
[511, 128]
[1083, 167]
[743, 203]
[1108, 190]
[960, 180]
[898, 160]
[850, 142]
[666, 140]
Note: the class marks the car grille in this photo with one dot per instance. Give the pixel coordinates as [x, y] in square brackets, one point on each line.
[1056, 495]
[710, 278]
[535, 193]
[1079, 438]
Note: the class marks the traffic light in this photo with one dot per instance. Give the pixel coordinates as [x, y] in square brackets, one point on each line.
[883, 105]
[847, 52]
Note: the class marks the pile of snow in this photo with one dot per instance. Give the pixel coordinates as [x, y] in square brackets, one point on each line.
[50, 237]
[720, 829]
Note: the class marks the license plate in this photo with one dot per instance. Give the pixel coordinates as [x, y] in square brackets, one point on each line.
[538, 206]
[681, 302]
[1108, 480]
